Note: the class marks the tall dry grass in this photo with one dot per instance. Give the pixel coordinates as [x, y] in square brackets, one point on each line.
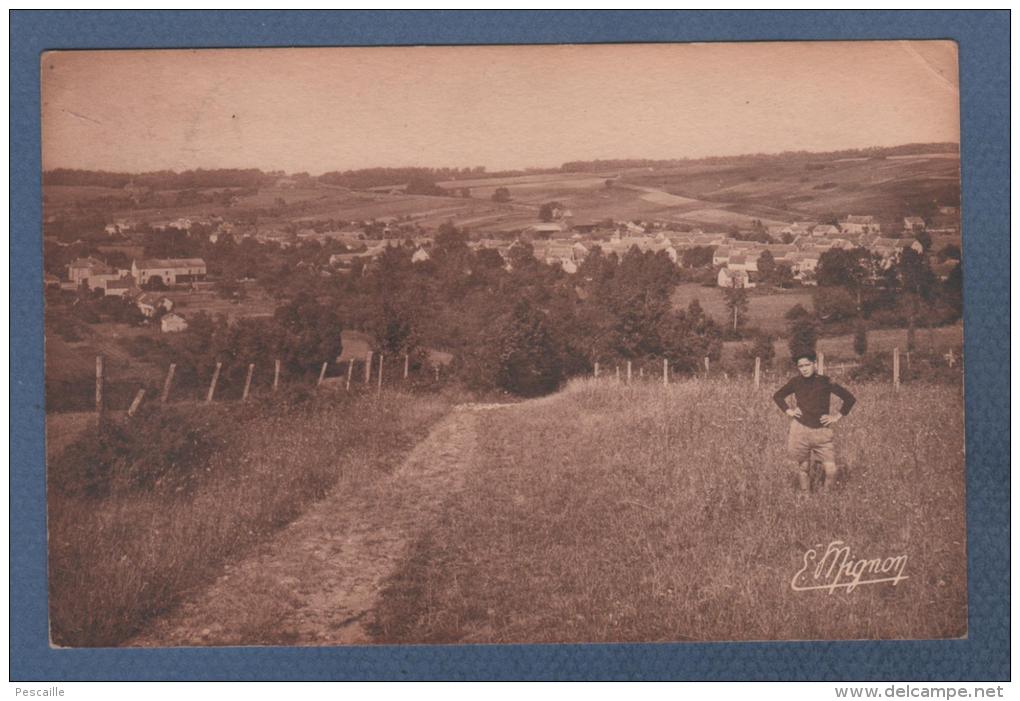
[641, 513]
[115, 562]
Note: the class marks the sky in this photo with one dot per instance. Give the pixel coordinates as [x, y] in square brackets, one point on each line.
[502, 107]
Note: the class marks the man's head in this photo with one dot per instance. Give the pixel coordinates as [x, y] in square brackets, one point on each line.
[806, 364]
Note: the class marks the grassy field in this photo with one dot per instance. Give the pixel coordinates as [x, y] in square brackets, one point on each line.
[841, 348]
[615, 513]
[765, 311]
[117, 561]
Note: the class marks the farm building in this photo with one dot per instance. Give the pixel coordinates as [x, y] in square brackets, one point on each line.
[420, 256]
[172, 323]
[171, 271]
[124, 287]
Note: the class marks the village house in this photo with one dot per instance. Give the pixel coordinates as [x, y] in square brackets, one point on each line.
[804, 266]
[81, 269]
[859, 224]
[889, 249]
[825, 230]
[733, 278]
[913, 224]
[172, 323]
[170, 271]
[544, 229]
[148, 304]
[124, 287]
[93, 273]
[420, 256]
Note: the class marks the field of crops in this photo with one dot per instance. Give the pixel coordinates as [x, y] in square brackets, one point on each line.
[639, 513]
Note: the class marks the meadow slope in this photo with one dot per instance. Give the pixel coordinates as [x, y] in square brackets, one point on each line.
[639, 513]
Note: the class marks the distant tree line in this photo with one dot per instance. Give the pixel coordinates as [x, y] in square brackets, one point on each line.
[870, 152]
[161, 180]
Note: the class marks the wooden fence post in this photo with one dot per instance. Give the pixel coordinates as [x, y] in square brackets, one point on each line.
[212, 385]
[596, 368]
[350, 370]
[665, 371]
[247, 382]
[437, 372]
[368, 366]
[641, 372]
[617, 373]
[629, 376]
[706, 365]
[137, 402]
[380, 371]
[276, 375]
[166, 384]
[100, 378]
[322, 373]
[896, 368]
[821, 363]
[757, 372]
[407, 364]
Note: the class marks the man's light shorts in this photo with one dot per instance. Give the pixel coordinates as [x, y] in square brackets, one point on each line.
[805, 441]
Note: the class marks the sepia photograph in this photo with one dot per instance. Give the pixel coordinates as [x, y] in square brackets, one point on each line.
[452, 345]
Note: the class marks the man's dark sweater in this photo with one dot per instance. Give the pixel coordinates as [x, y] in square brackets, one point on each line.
[813, 397]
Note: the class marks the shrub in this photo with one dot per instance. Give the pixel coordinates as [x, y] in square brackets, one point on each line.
[762, 346]
[158, 448]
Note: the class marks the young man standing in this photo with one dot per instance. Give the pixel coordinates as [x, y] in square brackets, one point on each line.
[811, 428]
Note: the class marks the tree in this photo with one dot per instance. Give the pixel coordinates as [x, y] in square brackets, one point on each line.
[737, 303]
[527, 362]
[803, 336]
[918, 282]
[391, 324]
[861, 338]
[697, 257]
[949, 251]
[309, 333]
[767, 267]
[547, 211]
[854, 270]
[834, 304]
[501, 194]
[762, 346]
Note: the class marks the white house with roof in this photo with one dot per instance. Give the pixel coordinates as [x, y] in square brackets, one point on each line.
[420, 256]
[171, 271]
[825, 230]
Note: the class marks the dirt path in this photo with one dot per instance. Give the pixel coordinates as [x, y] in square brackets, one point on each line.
[316, 583]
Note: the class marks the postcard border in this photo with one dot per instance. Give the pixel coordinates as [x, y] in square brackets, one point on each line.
[983, 38]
